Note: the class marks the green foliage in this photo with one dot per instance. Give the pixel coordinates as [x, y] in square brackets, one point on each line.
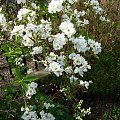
[113, 114]
[61, 113]
[105, 72]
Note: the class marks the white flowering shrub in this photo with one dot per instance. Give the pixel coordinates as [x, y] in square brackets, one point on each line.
[53, 33]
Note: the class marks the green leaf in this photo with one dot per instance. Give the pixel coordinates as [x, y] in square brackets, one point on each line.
[30, 78]
[5, 47]
[25, 86]
[42, 3]
[18, 74]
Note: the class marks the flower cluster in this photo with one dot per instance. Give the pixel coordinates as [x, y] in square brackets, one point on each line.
[69, 30]
[30, 70]
[81, 112]
[24, 34]
[57, 5]
[58, 41]
[34, 6]
[85, 83]
[31, 90]
[46, 116]
[80, 44]
[44, 29]
[29, 114]
[96, 47]
[80, 64]
[19, 62]
[26, 13]
[48, 105]
[96, 6]
[55, 63]
[98, 10]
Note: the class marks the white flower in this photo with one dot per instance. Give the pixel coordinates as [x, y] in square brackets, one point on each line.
[29, 71]
[78, 118]
[82, 13]
[56, 68]
[37, 50]
[55, 63]
[72, 55]
[81, 63]
[2, 19]
[55, 6]
[59, 41]
[78, 60]
[85, 83]
[51, 57]
[96, 47]
[94, 2]
[67, 28]
[19, 62]
[21, 1]
[98, 9]
[30, 92]
[96, 6]
[31, 89]
[80, 44]
[18, 30]
[34, 6]
[46, 116]
[3, 22]
[47, 105]
[102, 18]
[23, 12]
[44, 29]
[0, 9]
[50, 117]
[29, 114]
[27, 41]
[82, 23]
[31, 27]
[82, 69]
